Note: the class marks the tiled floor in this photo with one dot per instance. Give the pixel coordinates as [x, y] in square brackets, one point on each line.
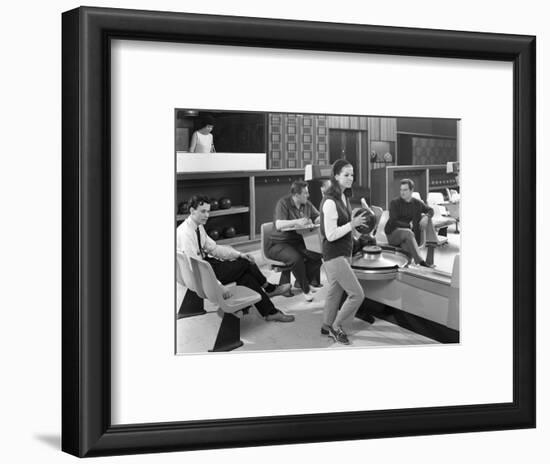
[197, 334]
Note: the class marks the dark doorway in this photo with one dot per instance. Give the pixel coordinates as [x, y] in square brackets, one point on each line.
[344, 144]
[350, 145]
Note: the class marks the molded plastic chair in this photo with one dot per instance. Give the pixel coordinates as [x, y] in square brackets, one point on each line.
[454, 196]
[228, 337]
[380, 236]
[185, 273]
[277, 266]
[435, 198]
[453, 207]
[192, 304]
[441, 219]
[378, 212]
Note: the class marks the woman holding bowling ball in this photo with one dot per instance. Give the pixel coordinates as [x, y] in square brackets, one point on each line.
[337, 226]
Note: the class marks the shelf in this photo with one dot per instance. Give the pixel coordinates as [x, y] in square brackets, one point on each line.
[220, 212]
[443, 186]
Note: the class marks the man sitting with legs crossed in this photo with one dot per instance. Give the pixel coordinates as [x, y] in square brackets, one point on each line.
[228, 264]
[409, 218]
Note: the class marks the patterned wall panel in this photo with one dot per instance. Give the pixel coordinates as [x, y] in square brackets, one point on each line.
[321, 138]
[276, 142]
[433, 150]
[296, 140]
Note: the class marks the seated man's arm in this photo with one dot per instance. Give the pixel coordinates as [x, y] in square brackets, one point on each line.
[427, 210]
[284, 223]
[315, 215]
[222, 252]
[282, 215]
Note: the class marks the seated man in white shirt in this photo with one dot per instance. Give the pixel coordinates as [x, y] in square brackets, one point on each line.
[228, 264]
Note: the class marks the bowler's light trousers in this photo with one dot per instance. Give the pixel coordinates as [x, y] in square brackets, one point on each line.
[341, 277]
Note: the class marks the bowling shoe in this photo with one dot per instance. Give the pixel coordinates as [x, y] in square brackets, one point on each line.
[338, 335]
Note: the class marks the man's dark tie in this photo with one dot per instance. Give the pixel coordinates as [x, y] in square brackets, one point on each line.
[199, 242]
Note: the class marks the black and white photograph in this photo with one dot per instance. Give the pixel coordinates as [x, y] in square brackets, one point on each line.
[315, 231]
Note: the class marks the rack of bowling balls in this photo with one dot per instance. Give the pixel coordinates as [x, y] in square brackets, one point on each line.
[216, 233]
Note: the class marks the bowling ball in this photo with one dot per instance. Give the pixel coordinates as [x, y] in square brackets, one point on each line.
[225, 203]
[183, 207]
[214, 234]
[214, 205]
[369, 225]
[229, 232]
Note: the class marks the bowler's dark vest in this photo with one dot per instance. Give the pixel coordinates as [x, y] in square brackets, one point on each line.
[344, 245]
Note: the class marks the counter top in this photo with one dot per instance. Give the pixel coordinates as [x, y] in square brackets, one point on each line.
[219, 162]
[244, 173]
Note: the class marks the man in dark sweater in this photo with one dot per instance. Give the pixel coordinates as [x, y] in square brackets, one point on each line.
[409, 217]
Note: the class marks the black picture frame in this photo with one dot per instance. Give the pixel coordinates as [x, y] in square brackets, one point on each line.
[86, 259]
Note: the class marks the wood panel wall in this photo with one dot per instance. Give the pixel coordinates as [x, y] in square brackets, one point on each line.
[382, 129]
[348, 122]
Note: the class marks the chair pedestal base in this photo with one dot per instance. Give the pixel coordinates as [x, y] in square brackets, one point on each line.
[229, 334]
[192, 305]
[430, 254]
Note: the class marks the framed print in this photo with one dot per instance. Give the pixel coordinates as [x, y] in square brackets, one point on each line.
[187, 143]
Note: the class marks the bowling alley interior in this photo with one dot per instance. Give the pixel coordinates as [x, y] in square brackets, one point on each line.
[254, 169]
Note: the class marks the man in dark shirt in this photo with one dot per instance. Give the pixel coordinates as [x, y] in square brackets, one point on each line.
[295, 210]
[409, 217]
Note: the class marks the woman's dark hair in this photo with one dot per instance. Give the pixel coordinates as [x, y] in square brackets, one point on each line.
[334, 189]
[207, 120]
[196, 200]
